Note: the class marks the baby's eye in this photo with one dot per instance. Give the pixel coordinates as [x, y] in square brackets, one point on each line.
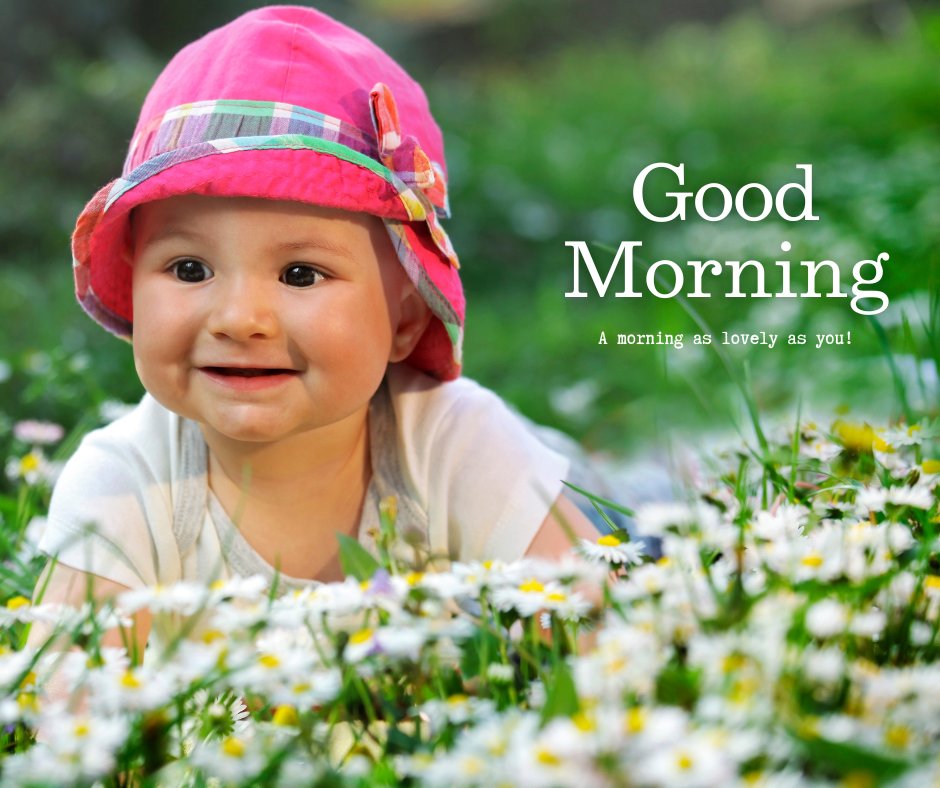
[298, 275]
[190, 270]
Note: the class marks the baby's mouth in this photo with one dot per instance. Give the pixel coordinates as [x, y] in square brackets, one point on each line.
[247, 372]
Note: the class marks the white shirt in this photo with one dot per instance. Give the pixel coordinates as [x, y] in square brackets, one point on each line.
[133, 503]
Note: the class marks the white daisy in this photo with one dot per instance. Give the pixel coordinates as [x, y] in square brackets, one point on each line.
[609, 549]
[826, 619]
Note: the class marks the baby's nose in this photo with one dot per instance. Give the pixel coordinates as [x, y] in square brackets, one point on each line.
[243, 310]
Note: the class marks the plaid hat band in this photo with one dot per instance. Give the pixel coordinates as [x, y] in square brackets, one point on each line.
[203, 128]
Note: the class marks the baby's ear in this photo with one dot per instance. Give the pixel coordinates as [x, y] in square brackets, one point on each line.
[413, 318]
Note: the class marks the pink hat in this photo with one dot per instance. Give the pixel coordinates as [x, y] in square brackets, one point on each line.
[286, 103]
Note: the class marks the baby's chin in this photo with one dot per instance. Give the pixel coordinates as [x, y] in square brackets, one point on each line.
[245, 424]
[252, 425]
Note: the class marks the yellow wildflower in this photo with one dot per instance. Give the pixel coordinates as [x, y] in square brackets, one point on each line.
[858, 437]
[286, 715]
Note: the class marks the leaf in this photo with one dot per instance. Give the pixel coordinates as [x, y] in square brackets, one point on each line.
[677, 685]
[355, 559]
[598, 500]
[614, 530]
[400, 742]
[482, 643]
[562, 697]
[847, 757]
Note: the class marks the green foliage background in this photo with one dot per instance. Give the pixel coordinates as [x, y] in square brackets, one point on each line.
[546, 135]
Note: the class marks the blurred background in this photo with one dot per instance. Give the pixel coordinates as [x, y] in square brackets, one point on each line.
[550, 109]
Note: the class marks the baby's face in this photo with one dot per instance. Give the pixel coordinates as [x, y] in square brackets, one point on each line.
[262, 319]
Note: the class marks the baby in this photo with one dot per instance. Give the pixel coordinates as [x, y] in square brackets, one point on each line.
[274, 252]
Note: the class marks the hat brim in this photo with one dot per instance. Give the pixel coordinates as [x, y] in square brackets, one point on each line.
[100, 243]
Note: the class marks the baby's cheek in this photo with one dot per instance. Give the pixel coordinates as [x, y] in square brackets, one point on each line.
[145, 360]
[159, 353]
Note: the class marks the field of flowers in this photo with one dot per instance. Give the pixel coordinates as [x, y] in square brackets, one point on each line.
[777, 627]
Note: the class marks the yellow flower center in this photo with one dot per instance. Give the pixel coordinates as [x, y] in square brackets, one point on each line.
[684, 761]
[29, 463]
[741, 691]
[27, 701]
[882, 445]
[813, 560]
[615, 665]
[636, 720]
[17, 602]
[858, 779]
[808, 727]
[532, 586]
[233, 747]
[303, 686]
[898, 736]
[608, 540]
[413, 578]
[932, 582]
[211, 635]
[129, 680]
[931, 466]
[269, 661]
[286, 715]
[471, 765]
[81, 730]
[547, 757]
[457, 700]
[733, 662]
[362, 636]
[583, 722]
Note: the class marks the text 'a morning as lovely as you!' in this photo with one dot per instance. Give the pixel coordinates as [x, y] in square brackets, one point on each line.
[767, 339]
